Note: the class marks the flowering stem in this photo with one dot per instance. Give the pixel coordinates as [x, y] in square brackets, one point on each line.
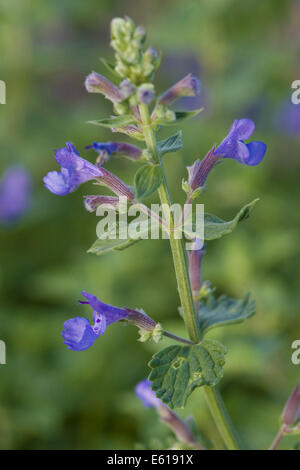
[221, 418]
[278, 437]
[177, 338]
[213, 397]
[179, 257]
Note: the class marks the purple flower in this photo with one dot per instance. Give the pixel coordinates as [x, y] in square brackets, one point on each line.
[292, 407]
[15, 192]
[106, 149]
[146, 395]
[74, 171]
[78, 332]
[96, 83]
[287, 119]
[187, 86]
[233, 145]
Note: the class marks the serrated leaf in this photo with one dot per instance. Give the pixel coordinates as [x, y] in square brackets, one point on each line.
[171, 144]
[224, 311]
[116, 121]
[214, 227]
[147, 180]
[178, 370]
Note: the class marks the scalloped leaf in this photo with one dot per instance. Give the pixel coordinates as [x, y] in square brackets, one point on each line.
[170, 144]
[178, 370]
[224, 311]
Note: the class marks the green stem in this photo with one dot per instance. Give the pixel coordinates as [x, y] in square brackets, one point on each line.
[178, 252]
[221, 418]
[215, 402]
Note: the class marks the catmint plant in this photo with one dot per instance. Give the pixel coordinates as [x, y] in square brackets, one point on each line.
[139, 111]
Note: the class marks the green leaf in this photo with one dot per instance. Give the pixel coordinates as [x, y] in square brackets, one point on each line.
[214, 227]
[224, 311]
[115, 121]
[178, 370]
[109, 67]
[147, 180]
[101, 247]
[171, 144]
[183, 115]
[111, 243]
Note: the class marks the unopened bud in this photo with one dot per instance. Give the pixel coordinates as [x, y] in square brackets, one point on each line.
[146, 93]
[91, 203]
[188, 86]
[292, 407]
[96, 83]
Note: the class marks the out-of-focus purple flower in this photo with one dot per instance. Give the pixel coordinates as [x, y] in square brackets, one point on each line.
[287, 119]
[292, 407]
[146, 395]
[15, 193]
[233, 146]
[187, 86]
[74, 171]
[105, 149]
[179, 427]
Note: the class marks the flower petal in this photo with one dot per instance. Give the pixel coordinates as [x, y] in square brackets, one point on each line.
[79, 334]
[112, 314]
[56, 183]
[242, 129]
[257, 152]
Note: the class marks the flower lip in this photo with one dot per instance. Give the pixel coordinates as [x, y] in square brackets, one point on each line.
[74, 171]
[233, 146]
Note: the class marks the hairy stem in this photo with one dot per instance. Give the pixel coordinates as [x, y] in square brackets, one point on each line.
[214, 399]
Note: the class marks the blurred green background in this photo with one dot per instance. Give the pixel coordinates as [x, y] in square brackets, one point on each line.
[246, 54]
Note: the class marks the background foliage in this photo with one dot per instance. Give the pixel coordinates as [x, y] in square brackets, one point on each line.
[246, 54]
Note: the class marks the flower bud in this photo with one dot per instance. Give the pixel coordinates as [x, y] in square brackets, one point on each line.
[126, 89]
[91, 203]
[188, 86]
[292, 407]
[96, 83]
[199, 171]
[195, 259]
[146, 93]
